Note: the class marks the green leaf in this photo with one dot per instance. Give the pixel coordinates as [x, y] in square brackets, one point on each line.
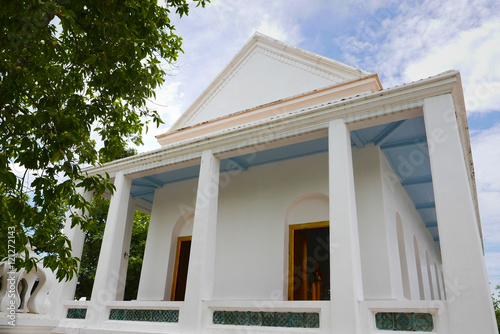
[69, 67]
[90, 60]
[70, 13]
[8, 179]
[58, 155]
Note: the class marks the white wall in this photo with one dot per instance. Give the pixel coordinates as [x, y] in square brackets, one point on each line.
[255, 208]
[380, 197]
[171, 202]
[377, 282]
[263, 78]
[396, 200]
[252, 236]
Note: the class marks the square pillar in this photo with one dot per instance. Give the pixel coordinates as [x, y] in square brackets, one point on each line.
[65, 291]
[346, 288]
[467, 289]
[122, 278]
[155, 263]
[106, 283]
[200, 280]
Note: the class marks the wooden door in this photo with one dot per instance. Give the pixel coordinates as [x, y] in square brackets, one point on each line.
[181, 268]
[309, 261]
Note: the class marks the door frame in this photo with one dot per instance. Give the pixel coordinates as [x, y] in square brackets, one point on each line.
[291, 249]
[180, 240]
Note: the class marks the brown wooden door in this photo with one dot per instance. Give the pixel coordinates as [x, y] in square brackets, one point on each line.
[181, 268]
[309, 261]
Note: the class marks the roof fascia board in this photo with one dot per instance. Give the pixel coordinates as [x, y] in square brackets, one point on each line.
[345, 90]
[314, 59]
[353, 111]
[149, 163]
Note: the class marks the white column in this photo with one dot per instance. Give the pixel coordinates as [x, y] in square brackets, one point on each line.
[65, 291]
[467, 290]
[122, 279]
[156, 253]
[346, 286]
[110, 258]
[200, 280]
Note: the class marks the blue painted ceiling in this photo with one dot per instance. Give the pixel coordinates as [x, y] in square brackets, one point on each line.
[403, 143]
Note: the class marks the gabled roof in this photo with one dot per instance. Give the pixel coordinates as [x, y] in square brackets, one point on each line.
[264, 71]
[342, 91]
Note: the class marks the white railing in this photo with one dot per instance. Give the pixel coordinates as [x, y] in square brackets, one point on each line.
[267, 315]
[17, 294]
[437, 309]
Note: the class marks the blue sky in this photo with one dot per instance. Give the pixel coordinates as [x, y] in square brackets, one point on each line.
[402, 41]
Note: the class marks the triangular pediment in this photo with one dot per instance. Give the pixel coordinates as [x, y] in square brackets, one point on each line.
[265, 71]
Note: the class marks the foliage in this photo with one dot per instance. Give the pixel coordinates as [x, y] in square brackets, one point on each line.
[71, 72]
[136, 254]
[92, 247]
[496, 305]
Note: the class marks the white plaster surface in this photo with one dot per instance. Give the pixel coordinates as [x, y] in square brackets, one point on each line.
[251, 231]
[372, 223]
[396, 200]
[171, 202]
[464, 270]
[263, 78]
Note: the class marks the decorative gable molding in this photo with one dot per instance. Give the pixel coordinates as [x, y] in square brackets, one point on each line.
[263, 48]
[311, 68]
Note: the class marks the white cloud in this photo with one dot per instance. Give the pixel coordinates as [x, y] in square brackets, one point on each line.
[212, 36]
[278, 30]
[417, 39]
[475, 53]
[492, 260]
[486, 153]
[166, 102]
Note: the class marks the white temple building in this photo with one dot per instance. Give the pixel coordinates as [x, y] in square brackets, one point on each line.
[295, 195]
